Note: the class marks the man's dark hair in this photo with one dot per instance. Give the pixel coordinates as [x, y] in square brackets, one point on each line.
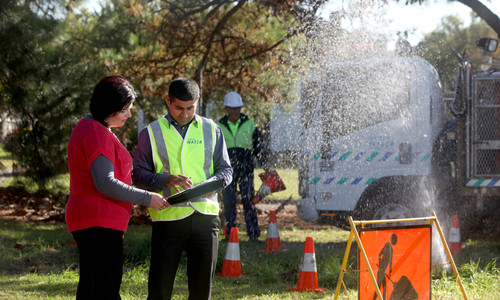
[184, 89]
[111, 95]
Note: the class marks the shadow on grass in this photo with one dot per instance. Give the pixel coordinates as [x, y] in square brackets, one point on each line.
[265, 273]
[35, 248]
[59, 285]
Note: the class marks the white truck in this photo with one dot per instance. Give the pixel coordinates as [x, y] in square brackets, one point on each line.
[376, 142]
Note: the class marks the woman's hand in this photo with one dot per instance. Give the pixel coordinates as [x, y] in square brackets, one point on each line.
[158, 202]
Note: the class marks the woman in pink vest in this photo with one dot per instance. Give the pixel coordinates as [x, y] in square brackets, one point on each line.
[101, 198]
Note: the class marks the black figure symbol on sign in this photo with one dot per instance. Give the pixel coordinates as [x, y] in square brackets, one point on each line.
[403, 289]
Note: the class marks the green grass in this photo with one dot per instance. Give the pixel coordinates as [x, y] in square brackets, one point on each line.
[59, 183]
[38, 261]
[6, 160]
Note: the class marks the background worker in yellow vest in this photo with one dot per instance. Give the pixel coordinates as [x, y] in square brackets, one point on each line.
[244, 142]
[175, 152]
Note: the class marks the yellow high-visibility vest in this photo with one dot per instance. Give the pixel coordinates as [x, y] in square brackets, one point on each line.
[243, 136]
[191, 156]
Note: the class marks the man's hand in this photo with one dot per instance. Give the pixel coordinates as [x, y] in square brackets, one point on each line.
[158, 202]
[179, 180]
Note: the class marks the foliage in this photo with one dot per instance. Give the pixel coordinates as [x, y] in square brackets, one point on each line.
[476, 5]
[5, 159]
[44, 76]
[438, 46]
[441, 46]
[225, 45]
[56, 54]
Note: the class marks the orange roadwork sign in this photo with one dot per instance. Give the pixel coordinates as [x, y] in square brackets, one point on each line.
[400, 258]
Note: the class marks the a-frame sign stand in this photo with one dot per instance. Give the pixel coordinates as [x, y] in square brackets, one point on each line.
[355, 235]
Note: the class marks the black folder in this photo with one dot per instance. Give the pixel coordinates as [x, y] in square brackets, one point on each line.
[196, 191]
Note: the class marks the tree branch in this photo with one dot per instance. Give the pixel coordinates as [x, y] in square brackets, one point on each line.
[484, 13]
[218, 29]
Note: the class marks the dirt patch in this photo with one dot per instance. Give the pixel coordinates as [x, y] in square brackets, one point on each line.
[285, 217]
[17, 204]
[20, 205]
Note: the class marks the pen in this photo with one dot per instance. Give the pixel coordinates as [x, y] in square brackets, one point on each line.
[189, 178]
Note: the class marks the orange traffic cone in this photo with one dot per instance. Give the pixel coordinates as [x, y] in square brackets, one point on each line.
[308, 276]
[273, 243]
[271, 182]
[232, 265]
[454, 237]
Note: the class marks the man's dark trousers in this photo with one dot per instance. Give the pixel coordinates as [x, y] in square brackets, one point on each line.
[247, 192]
[198, 236]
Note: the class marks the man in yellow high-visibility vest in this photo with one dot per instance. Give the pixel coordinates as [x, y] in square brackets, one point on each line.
[176, 152]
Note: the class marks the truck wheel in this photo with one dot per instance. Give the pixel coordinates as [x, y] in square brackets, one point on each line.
[392, 211]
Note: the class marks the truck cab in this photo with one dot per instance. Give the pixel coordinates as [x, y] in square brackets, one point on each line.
[376, 142]
[369, 130]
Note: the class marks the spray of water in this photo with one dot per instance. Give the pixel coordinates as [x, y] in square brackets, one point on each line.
[355, 96]
[428, 198]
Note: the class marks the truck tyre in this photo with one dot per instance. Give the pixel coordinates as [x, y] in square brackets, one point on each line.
[393, 198]
[392, 211]
[306, 209]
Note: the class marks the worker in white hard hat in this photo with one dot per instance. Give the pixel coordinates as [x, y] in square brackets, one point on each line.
[244, 142]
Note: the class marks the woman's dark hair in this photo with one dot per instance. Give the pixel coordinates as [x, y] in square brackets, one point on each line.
[111, 95]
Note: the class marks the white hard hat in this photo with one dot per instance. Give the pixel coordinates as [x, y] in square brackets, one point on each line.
[233, 99]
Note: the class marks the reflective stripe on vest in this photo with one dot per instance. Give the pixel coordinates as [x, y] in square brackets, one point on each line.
[156, 137]
[174, 155]
[243, 136]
